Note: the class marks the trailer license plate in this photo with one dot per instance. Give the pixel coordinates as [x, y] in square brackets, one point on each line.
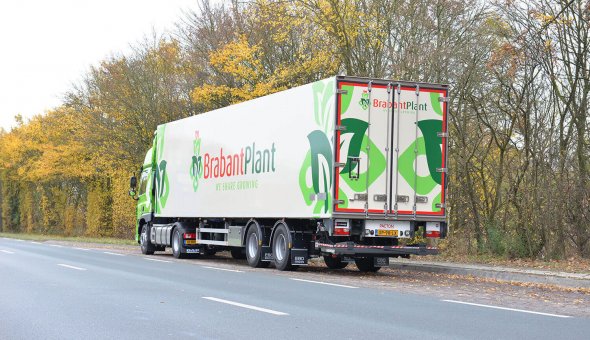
[190, 241]
[381, 232]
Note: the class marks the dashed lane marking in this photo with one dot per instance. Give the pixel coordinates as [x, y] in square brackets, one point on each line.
[509, 309]
[156, 260]
[116, 254]
[226, 270]
[71, 267]
[238, 304]
[323, 283]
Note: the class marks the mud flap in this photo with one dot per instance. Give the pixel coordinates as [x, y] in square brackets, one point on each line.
[299, 257]
[266, 254]
[381, 261]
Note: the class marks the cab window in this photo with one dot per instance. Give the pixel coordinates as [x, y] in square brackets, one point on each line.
[143, 182]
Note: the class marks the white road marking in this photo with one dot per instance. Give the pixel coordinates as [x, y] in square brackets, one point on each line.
[36, 242]
[18, 239]
[56, 245]
[156, 260]
[6, 251]
[116, 254]
[71, 267]
[260, 309]
[324, 283]
[506, 308]
[227, 270]
[81, 248]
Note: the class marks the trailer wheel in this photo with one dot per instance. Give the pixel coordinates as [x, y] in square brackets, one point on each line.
[280, 248]
[366, 264]
[238, 253]
[334, 262]
[254, 249]
[147, 248]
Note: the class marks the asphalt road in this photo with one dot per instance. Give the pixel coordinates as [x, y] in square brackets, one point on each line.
[57, 292]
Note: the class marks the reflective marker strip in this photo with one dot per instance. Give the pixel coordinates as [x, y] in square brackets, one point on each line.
[506, 308]
[6, 251]
[56, 245]
[323, 283]
[260, 309]
[227, 270]
[71, 267]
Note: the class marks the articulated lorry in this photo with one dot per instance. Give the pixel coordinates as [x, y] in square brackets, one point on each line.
[351, 169]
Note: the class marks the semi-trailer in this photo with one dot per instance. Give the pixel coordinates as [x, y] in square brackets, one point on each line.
[352, 169]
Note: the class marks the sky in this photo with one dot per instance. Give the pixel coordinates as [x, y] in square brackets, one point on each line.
[48, 45]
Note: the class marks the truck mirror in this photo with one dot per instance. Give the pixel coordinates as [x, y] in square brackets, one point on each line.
[133, 182]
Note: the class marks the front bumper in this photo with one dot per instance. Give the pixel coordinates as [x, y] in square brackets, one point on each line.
[351, 249]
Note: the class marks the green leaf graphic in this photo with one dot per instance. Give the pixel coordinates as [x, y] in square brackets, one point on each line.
[358, 128]
[406, 168]
[323, 93]
[430, 129]
[345, 99]
[436, 106]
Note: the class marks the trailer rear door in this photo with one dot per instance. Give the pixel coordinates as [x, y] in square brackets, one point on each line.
[390, 148]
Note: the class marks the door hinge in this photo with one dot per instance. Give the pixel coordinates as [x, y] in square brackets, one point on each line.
[444, 99]
[338, 202]
[339, 165]
[341, 91]
[340, 128]
[445, 170]
[441, 205]
[442, 134]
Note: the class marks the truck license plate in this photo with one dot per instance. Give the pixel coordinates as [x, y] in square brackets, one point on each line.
[190, 241]
[381, 232]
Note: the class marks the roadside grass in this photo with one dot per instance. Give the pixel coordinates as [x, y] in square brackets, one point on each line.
[571, 265]
[44, 237]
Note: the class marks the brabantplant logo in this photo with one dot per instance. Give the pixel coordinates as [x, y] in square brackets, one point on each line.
[364, 102]
[249, 160]
[196, 168]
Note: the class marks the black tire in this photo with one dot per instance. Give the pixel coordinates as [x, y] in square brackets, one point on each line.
[254, 248]
[238, 253]
[177, 244]
[334, 262]
[280, 248]
[147, 248]
[366, 264]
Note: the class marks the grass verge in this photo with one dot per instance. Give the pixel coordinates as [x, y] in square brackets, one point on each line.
[43, 237]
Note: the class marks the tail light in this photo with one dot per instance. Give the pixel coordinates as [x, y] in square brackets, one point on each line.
[433, 229]
[341, 227]
[191, 236]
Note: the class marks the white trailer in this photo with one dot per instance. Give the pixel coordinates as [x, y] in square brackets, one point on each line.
[353, 169]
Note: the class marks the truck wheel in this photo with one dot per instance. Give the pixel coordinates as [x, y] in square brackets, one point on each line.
[147, 248]
[366, 264]
[254, 249]
[238, 253]
[177, 244]
[334, 262]
[280, 248]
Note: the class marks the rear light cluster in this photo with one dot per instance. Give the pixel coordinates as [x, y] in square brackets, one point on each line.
[433, 229]
[189, 236]
[341, 228]
[433, 233]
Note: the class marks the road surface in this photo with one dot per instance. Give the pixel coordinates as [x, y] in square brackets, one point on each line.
[51, 291]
